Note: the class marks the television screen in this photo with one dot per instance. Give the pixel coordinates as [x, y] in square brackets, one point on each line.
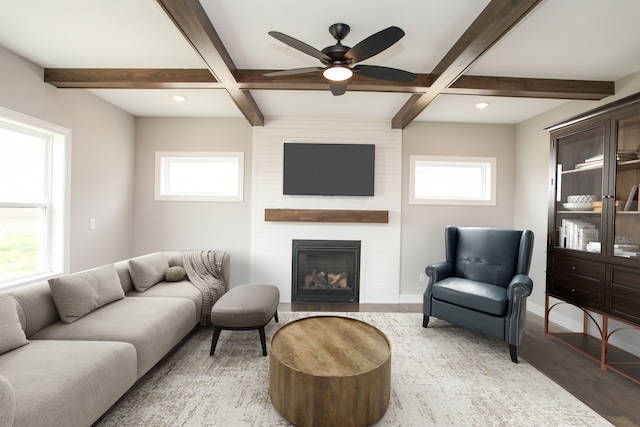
[329, 169]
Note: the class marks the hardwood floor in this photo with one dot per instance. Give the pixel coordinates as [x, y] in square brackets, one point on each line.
[611, 395]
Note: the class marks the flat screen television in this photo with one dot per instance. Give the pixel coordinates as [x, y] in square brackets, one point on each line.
[329, 169]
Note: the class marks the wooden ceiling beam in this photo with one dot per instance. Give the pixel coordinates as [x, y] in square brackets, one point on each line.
[123, 78]
[490, 26]
[131, 78]
[191, 19]
[531, 88]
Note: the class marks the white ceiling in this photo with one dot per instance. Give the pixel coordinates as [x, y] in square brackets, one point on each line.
[560, 39]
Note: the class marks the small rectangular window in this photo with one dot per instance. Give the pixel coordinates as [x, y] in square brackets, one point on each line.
[199, 176]
[440, 180]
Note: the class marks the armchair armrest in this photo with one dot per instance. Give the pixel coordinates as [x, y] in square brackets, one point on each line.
[521, 286]
[436, 272]
[517, 292]
[439, 271]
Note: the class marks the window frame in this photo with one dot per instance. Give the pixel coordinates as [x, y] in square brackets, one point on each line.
[162, 158]
[489, 167]
[56, 203]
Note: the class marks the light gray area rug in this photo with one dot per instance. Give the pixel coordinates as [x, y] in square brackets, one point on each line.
[440, 376]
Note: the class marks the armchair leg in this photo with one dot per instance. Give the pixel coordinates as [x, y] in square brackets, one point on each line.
[513, 351]
[425, 321]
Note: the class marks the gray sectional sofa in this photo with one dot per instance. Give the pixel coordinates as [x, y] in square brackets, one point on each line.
[76, 344]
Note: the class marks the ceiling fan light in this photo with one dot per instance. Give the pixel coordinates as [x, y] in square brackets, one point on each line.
[337, 73]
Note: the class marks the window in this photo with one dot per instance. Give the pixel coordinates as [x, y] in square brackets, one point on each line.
[199, 176]
[440, 180]
[33, 162]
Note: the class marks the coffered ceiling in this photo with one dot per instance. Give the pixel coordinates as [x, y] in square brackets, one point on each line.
[523, 57]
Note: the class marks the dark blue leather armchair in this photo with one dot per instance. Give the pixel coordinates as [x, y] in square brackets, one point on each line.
[483, 285]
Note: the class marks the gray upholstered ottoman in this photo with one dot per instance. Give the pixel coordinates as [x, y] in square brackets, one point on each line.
[245, 307]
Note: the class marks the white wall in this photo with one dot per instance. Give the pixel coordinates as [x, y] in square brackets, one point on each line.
[171, 225]
[423, 225]
[380, 250]
[102, 158]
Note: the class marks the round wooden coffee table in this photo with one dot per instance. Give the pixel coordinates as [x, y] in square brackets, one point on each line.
[330, 371]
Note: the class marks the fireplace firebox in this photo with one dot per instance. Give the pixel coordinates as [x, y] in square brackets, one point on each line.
[325, 271]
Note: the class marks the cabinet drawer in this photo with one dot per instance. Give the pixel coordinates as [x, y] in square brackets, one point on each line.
[579, 267]
[623, 303]
[572, 289]
[624, 277]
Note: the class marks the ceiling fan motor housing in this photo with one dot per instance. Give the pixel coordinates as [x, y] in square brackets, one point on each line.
[336, 52]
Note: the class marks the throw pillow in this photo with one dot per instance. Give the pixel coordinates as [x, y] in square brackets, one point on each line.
[11, 334]
[175, 274]
[77, 295]
[147, 270]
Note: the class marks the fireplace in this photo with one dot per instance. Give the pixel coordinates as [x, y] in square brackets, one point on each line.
[325, 270]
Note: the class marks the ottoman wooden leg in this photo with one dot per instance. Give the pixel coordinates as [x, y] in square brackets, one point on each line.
[275, 316]
[214, 341]
[263, 340]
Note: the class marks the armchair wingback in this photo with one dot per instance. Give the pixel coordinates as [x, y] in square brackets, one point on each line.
[484, 282]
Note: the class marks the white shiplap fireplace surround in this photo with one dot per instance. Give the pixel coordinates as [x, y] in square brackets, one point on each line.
[380, 243]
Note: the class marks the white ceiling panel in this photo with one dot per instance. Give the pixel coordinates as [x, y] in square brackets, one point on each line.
[561, 39]
[160, 103]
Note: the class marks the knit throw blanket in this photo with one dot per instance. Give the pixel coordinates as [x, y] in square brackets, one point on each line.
[204, 269]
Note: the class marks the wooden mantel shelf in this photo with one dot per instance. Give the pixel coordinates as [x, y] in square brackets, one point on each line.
[326, 215]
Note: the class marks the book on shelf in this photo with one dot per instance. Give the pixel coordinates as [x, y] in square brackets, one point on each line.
[626, 155]
[575, 234]
[587, 164]
[597, 161]
[632, 195]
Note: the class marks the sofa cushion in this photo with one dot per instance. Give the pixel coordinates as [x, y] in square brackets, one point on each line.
[175, 274]
[478, 296]
[153, 325]
[181, 289]
[77, 295]
[67, 383]
[36, 309]
[11, 334]
[147, 270]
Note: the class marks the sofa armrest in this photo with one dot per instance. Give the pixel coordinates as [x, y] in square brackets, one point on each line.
[7, 403]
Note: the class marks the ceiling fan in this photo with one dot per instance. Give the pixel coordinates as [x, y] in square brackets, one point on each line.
[340, 61]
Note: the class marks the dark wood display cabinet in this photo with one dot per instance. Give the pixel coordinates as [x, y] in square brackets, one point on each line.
[593, 242]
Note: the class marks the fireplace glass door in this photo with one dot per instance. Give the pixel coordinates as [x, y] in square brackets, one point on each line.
[326, 270]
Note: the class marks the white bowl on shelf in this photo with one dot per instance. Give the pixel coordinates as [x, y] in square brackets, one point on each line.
[581, 198]
[578, 206]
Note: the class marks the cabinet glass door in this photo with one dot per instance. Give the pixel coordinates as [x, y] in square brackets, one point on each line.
[578, 200]
[626, 239]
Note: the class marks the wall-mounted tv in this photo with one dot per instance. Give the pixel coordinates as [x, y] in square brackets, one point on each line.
[329, 169]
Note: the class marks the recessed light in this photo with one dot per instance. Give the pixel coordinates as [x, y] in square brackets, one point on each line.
[482, 105]
[179, 98]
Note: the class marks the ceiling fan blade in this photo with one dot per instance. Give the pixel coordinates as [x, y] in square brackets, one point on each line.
[374, 44]
[338, 88]
[385, 73]
[293, 71]
[298, 45]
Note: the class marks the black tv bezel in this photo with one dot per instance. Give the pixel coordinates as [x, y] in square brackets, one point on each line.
[369, 191]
